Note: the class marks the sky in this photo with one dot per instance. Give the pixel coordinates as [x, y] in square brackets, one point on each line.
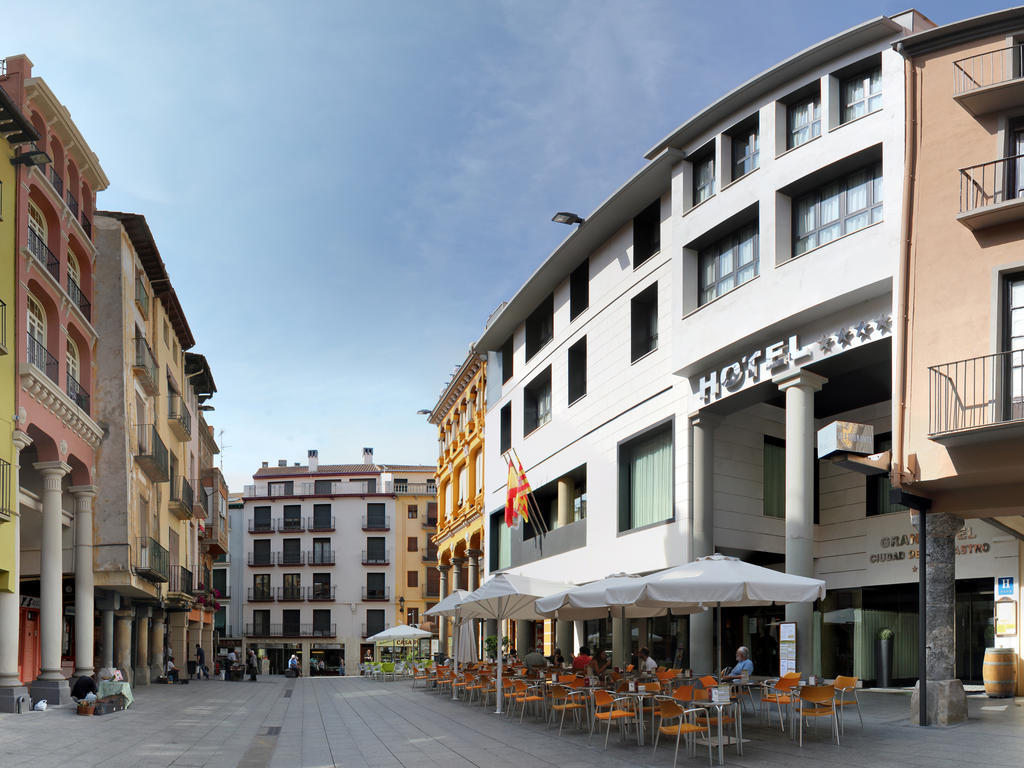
[343, 191]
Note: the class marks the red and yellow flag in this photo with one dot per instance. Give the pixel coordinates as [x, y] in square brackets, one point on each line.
[512, 496]
[522, 493]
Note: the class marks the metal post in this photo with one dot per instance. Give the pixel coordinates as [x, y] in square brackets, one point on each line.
[922, 617]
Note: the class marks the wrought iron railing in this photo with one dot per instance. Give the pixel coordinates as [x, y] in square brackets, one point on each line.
[261, 558]
[291, 594]
[181, 491]
[56, 180]
[373, 628]
[319, 524]
[153, 559]
[260, 595]
[72, 203]
[991, 183]
[180, 581]
[77, 393]
[373, 594]
[178, 411]
[977, 392]
[152, 448]
[78, 297]
[40, 357]
[290, 558]
[43, 254]
[259, 526]
[260, 629]
[6, 507]
[319, 557]
[989, 68]
[376, 522]
[376, 557]
[144, 359]
[3, 326]
[141, 297]
[86, 225]
[322, 592]
[290, 525]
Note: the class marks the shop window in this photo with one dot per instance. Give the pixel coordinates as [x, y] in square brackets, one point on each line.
[644, 323]
[540, 326]
[837, 208]
[647, 233]
[579, 289]
[537, 402]
[728, 263]
[577, 365]
[505, 439]
[506, 360]
[646, 479]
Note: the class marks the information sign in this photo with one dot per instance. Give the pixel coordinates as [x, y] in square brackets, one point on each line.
[787, 647]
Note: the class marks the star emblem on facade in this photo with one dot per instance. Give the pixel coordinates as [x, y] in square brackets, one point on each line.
[826, 342]
[884, 323]
[864, 329]
[845, 337]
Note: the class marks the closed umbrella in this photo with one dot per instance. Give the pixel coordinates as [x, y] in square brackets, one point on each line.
[451, 606]
[508, 596]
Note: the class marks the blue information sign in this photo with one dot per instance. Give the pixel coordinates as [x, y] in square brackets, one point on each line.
[1004, 586]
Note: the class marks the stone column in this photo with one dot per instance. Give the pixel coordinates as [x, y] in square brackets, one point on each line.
[621, 641]
[156, 643]
[51, 684]
[306, 648]
[84, 593]
[442, 621]
[524, 637]
[702, 536]
[563, 637]
[473, 567]
[178, 642]
[458, 573]
[207, 643]
[941, 585]
[566, 495]
[142, 646]
[123, 641]
[799, 389]
[11, 688]
[108, 639]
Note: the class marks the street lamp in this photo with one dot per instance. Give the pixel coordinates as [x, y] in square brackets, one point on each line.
[564, 217]
[401, 608]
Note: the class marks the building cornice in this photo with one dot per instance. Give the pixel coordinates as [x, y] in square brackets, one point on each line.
[41, 389]
[460, 380]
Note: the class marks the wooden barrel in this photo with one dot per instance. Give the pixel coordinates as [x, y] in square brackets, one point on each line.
[1000, 672]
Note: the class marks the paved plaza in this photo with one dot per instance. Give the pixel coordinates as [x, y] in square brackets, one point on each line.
[355, 722]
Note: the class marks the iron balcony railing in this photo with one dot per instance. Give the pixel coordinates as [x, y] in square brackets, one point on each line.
[290, 525]
[373, 594]
[430, 593]
[259, 595]
[181, 492]
[978, 392]
[291, 630]
[415, 489]
[991, 183]
[320, 557]
[371, 629]
[291, 594]
[290, 558]
[319, 524]
[141, 297]
[180, 581]
[377, 557]
[77, 393]
[989, 68]
[430, 556]
[73, 204]
[376, 522]
[152, 452]
[153, 559]
[37, 355]
[56, 180]
[86, 225]
[78, 298]
[177, 411]
[6, 507]
[260, 526]
[322, 592]
[430, 522]
[261, 558]
[43, 254]
[145, 363]
[3, 327]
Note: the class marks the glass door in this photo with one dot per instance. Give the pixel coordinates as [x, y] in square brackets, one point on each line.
[1013, 344]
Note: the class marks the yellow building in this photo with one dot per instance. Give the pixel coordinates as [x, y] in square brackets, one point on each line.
[416, 579]
[459, 418]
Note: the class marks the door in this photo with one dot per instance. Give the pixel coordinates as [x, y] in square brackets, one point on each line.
[1013, 344]
[28, 646]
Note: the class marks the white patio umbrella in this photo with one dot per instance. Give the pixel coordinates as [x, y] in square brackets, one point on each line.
[451, 606]
[508, 596]
[394, 634]
[724, 582]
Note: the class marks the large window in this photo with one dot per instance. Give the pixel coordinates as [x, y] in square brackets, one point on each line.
[861, 94]
[374, 622]
[730, 262]
[322, 520]
[644, 323]
[291, 552]
[322, 586]
[322, 487]
[645, 479]
[540, 326]
[260, 586]
[1013, 343]
[878, 486]
[322, 552]
[506, 360]
[322, 622]
[577, 370]
[291, 588]
[376, 517]
[838, 208]
[537, 401]
[261, 552]
[746, 155]
[261, 622]
[505, 438]
[803, 121]
[292, 517]
[579, 289]
[375, 586]
[646, 233]
[704, 176]
[774, 475]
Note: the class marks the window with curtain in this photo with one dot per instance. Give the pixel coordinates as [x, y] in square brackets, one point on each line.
[837, 208]
[537, 401]
[479, 472]
[774, 497]
[803, 121]
[730, 262]
[645, 479]
[862, 94]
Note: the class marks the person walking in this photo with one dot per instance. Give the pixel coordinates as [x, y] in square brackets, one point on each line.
[201, 669]
[232, 659]
[252, 665]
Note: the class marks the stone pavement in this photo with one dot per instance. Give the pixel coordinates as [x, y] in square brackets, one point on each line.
[352, 722]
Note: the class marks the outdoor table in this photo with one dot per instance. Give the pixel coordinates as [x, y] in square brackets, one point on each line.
[721, 706]
[640, 696]
[110, 687]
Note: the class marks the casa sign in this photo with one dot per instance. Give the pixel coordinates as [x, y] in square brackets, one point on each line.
[773, 358]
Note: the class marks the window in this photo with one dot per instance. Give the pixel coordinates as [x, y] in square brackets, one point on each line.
[412, 579]
[322, 519]
[412, 616]
[260, 586]
[290, 621]
[261, 552]
[74, 365]
[291, 552]
[374, 622]
[291, 589]
[375, 587]
[774, 476]
[37, 353]
[261, 623]
[803, 121]
[537, 402]
[506, 428]
[292, 517]
[219, 581]
[322, 554]
[579, 289]
[413, 512]
[322, 487]
[412, 544]
[167, 334]
[540, 326]
[463, 485]
[500, 550]
[704, 176]
[878, 486]
[644, 323]
[837, 209]
[645, 479]
[577, 370]
[375, 516]
[261, 519]
[745, 150]
[431, 513]
[322, 622]
[506, 360]
[728, 263]
[286, 488]
[861, 94]
[322, 586]
[74, 273]
[1013, 343]
[433, 582]
[375, 549]
[646, 233]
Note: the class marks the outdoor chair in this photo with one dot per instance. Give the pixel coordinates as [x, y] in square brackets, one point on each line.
[608, 709]
[460, 682]
[846, 685]
[818, 701]
[476, 687]
[387, 669]
[565, 699]
[526, 694]
[676, 721]
[708, 681]
[421, 673]
[683, 694]
[778, 692]
[664, 675]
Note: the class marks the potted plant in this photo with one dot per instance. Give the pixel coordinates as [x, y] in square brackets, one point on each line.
[884, 645]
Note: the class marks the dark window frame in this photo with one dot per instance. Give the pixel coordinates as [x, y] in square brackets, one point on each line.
[533, 417]
[576, 370]
[703, 185]
[643, 326]
[647, 233]
[579, 290]
[745, 156]
[505, 428]
[540, 326]
[731, 242]
[626, 522]
[507, 354]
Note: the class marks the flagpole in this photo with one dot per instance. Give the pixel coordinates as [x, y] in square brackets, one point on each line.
[543, 524]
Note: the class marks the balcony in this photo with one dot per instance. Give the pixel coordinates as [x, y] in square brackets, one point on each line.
[144, 366]
[77, 393]
[430, 556]
[291, 594]
[260, 558]
[153, 560]
[978, 399]
[992, 193]
[291, 558]
[73, 204]
[290, 525]
[78, 298]
[257, 595]
[199, 503]
[376, 595]
[43, 255]
[376, 558]
[141, 297]
[40, 357]
[151, 453]
[991, 81]
[431, 593]
[319, 557]
[178, 417]
[291, 630]
[3, 327]
[376, 523]
[369, 630]
[322, 592]
[429, 522]
[181, 498]
[415, 489]
[319, 488]
[86, 225]
[6, 505]
[319, 525]
[180, 581]
[261, 526]
[56, 180]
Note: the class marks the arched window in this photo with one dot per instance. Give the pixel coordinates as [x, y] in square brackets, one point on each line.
[36, 221]
[74, 365]
[74, 273]
[36, 323]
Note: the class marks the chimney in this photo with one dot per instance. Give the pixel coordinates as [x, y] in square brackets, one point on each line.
[265, 464]
[282, 462]
[367, 455]
[313, 459]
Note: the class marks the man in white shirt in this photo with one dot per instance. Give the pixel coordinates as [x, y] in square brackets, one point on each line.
[172, 670]
[647, 664]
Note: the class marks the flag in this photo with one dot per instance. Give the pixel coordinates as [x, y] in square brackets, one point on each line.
[522, 492]
[512, 496]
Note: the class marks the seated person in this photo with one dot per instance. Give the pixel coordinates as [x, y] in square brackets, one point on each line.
[580, 662]
[83, 686]
[172, 670]
[293, 664]
[557, 659]
[535, 659]
[743, 664]
[600, 664]
[647, 665]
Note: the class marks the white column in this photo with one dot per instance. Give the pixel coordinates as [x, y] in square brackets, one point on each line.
[11, 688]
[442, 632]
[702, 533]
[55, 689]
[84, 595]
[799, 388]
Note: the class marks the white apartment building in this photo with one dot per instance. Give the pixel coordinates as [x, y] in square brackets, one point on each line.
[319, 572]
[662, 375]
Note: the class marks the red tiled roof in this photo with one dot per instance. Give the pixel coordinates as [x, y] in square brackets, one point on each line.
[343, 469]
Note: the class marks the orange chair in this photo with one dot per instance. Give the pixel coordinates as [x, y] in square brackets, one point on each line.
[671, 711]
[843, 686]
[778, 693]
[476, 687]
[684, 694]
[646, 709]
[818, 701]
[622, 685]
[629, 668]
[664, 675]
[708, 681]
[565, 699]
[609, 708]
[526, 694]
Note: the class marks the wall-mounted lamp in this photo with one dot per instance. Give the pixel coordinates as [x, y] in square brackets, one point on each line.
[564, 217]
[423, 412]
[34, 156]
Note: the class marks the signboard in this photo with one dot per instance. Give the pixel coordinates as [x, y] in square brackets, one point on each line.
[1004, 586]
[787, 647]
[846, 436]
[1006, 617]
